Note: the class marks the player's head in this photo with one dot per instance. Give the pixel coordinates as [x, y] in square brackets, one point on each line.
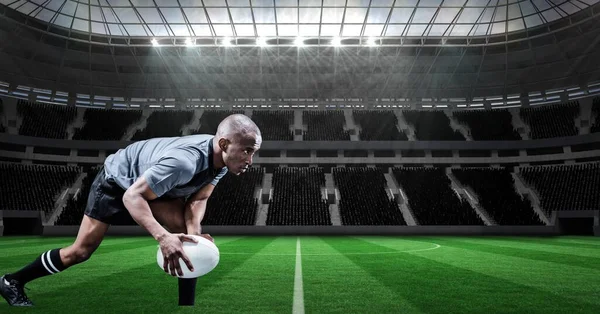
[238, 139]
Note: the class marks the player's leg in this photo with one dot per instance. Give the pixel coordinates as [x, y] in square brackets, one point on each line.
[101, 206]
[91, 233]
[170, 213]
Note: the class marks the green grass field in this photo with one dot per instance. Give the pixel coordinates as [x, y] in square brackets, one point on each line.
[339, 275]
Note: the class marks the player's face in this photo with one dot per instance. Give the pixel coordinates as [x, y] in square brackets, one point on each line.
[239, 153]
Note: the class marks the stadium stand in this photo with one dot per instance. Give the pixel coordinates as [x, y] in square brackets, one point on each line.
[297, 197]
[45, 120]
[210, 119]
[2, 128]
[551, 121]
[431, 198]
[274, 125]
[73, 211]
[325, 126]
[432, 126]
[97, 125]
[33, 187]
[565, 187]
[596, 114]
[164, 123]
[488, 125]
[363, 200]
[233, 201]
[497, 195]
[378, 125]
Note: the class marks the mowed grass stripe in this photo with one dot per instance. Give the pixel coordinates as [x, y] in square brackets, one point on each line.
[259, 283]
[560, 280]
[38, 248]
[334, 284]
[539, 244]
[437, 287]
[131, 282]
[557, 241]
[28, 251]
[530, 253]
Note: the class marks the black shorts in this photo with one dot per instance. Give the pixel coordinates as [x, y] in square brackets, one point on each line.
[105, 202]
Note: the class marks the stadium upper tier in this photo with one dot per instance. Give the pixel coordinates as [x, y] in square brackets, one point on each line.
[69, 122]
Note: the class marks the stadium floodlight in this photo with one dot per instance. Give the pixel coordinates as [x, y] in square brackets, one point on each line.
[336, 42]
[299, 41]
[371, 42]
[189, 42]
[226, 42]
[154, 42]
[261, 42]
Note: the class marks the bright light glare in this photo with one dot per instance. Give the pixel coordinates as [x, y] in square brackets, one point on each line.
[371, 41]
[226, 42]
[299, 41]
[189, 42]
[261, 41]
[154, 42]
[336, 41]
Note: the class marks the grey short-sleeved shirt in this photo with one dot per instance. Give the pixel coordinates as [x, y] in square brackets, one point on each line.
[173, 166]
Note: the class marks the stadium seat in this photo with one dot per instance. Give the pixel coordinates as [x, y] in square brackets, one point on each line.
[2, 128]
[378, 125]
[431, 198]
[497, 195]
[45, 120]
[565, 187]
[164, 123]
[363, 199]
[72, 214]
[551, 121]
[234, 202]
[432, 126]
[488, 125]
[210, 119]
[325, 126]
[274, 125]
[97, 128]
[33, 187]
[297, 197]
[595, 128]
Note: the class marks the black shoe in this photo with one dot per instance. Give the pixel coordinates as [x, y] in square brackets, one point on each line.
[13, 292]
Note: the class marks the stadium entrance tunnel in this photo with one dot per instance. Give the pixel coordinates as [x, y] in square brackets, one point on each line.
[576, 226]
[583, 222]
[22, 226]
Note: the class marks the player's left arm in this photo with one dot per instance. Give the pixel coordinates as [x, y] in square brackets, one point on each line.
[195, 208]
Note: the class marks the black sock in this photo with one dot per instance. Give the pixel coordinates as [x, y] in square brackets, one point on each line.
[187, 291]
[46, 264]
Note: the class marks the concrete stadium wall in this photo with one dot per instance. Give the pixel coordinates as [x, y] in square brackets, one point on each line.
[330, 230]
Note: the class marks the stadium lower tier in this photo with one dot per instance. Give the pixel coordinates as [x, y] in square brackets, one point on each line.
[361, 195]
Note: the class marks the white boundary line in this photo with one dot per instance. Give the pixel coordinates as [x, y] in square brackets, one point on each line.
[437, 246]
[298, 307]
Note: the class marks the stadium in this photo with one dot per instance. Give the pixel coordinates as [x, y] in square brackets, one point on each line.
[418, 156]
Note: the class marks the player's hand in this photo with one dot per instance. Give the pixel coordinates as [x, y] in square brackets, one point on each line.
[171, 246]
[207, 236]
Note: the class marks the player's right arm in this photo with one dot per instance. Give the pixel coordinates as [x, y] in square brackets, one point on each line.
[136, 201]
[174, 168]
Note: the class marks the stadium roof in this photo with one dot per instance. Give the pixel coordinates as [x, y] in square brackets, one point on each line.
[560, 54]
[272, 19]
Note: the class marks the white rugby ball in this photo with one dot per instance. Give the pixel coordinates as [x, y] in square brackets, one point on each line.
[203, 255]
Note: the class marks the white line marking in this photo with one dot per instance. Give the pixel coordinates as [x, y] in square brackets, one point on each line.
[436, 246]
[298, 307]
